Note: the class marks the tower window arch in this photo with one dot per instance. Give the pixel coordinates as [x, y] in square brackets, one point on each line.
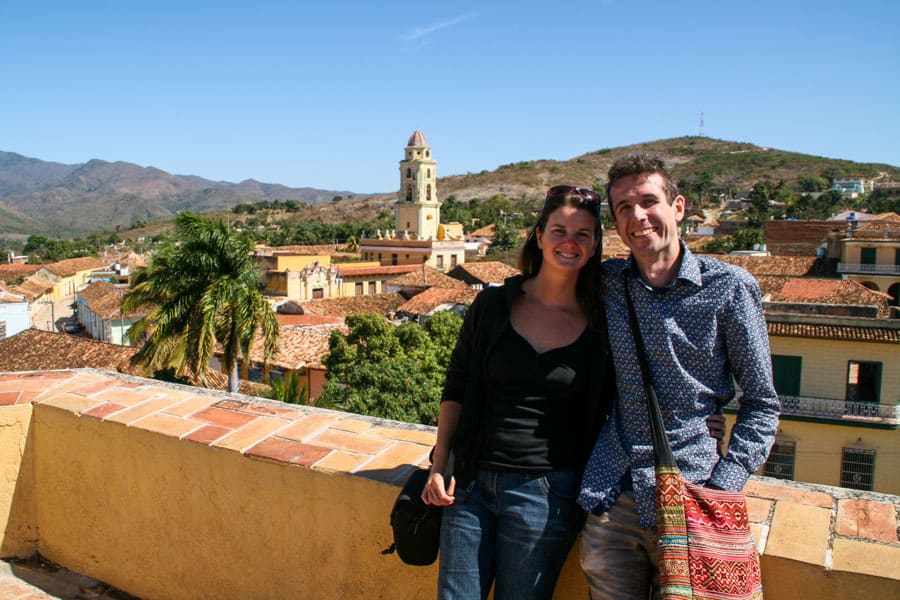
[408, 172]
[428, 154]
[409, 193]
[428, 173]
[428, 192]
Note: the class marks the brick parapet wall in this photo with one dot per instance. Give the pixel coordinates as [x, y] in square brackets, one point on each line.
[807, 534]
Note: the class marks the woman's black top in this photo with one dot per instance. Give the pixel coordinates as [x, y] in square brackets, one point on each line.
[467, 381]
[537, 405]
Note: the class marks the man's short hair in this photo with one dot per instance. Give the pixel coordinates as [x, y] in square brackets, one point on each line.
[640, 164]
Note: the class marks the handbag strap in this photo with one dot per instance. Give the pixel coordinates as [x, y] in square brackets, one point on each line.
[662, 450]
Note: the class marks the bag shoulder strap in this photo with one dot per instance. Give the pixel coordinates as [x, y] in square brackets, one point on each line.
[661, 447]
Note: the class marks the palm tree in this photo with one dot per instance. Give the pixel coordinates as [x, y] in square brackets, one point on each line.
[200, 291]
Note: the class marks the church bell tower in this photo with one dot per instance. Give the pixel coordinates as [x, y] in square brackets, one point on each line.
[418, 209]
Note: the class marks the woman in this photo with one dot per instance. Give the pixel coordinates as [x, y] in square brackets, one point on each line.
[521, 407]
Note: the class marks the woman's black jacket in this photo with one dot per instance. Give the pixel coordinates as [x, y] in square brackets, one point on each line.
[466, 382]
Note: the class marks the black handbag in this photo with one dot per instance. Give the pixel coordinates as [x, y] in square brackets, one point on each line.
[416, 525]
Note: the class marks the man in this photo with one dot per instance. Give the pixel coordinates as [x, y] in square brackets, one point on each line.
[703, 327]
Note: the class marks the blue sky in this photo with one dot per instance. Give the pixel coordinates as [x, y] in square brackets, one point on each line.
[326, 94]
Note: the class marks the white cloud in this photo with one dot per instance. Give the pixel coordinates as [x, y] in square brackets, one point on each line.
[421, 32]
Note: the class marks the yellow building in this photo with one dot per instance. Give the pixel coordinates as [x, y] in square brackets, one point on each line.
[870, 254]
[419, 237]
[68, 275]
[839, 385]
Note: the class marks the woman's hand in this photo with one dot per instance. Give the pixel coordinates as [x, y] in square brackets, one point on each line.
[716, 424]
[435, 492]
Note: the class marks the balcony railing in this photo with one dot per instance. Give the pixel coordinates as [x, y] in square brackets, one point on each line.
[840, 410]
[873, 269]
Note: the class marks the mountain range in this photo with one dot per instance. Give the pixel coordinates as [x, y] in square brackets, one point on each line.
[59, 200]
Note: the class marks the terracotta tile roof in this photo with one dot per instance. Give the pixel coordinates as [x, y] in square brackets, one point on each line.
[876, 228]
[105, 300]
[35, 350]
[427, 277]
[834, 332]
[70, 266]
[426, 302]
[792, 266]
[298, 347]
[770, 284]
[797, 238]
[488, 231]
[613, 244]
[290, 320]
[310, 250]
[696, 242]
[492, 271]
[831, 291]
[33, 287]
[15, 272]
[377, 270]
[381, 304]
[8, 297]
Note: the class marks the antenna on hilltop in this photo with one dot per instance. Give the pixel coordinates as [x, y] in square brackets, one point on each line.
[701, 124]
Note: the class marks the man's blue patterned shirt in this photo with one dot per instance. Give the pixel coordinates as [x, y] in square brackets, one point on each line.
[701, 333]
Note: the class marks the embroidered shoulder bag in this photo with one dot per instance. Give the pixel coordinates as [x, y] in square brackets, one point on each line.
[704, 547]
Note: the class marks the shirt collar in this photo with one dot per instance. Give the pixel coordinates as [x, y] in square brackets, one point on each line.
[689, 269]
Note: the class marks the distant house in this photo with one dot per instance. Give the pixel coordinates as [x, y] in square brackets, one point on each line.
[36, 350]
[99, 309]
[852, 187]
[799, 238]
[434, 300]
[840, 415]
[69, 275]
[870, 254]
[479, 275]
[419, 280]
[14, 315]
[15, 272]
[382, 304]
[301, 350]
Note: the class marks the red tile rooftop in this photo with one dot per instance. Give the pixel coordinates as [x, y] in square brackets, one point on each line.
[381, 304]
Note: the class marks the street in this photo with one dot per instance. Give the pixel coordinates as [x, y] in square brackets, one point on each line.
[48, 319]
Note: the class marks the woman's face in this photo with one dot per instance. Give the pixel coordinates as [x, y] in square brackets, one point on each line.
[569, 239]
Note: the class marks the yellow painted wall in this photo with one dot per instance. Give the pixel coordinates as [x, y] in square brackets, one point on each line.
[18, 533]
[824, 375]
[824, 369]
[179, 520]
[818, 447]
[296, 262]
[884, 251]
[168, 519]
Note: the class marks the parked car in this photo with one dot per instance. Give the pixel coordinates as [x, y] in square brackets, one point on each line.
[72, 326]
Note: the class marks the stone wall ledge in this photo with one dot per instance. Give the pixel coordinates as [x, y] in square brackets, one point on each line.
[98, 435]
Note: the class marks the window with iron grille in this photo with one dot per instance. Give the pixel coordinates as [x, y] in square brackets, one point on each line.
[857, 468]
[781, 460]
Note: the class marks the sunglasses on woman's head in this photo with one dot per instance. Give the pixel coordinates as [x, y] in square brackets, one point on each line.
[588, 197]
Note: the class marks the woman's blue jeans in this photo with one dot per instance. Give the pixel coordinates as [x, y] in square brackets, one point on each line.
[513, 529]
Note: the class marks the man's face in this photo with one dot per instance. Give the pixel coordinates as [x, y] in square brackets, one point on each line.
[645, 220]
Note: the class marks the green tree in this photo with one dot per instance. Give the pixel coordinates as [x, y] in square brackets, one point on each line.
[381, 370]
[760, 196]
[813, 184]
[743, 239]
[200, 291]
